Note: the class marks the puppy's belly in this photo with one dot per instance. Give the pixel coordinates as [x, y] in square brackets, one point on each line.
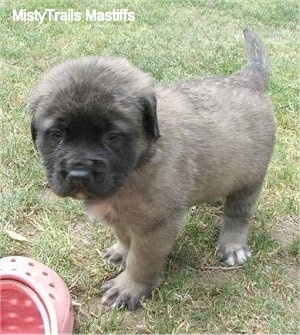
[209, 196]
[219, 184]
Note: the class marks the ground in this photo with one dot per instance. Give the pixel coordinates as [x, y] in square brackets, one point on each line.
[173, 40]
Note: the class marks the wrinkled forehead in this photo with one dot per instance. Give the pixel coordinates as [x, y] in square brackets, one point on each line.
[86, 121]
[46, 123]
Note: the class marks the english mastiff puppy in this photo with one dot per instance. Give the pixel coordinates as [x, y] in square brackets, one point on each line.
[141, 155]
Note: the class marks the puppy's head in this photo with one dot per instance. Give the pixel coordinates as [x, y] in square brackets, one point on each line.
[94, 120]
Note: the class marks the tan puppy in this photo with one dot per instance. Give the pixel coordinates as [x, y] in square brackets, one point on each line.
[95, 124]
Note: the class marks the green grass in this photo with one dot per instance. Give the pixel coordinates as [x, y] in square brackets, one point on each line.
[172, 40]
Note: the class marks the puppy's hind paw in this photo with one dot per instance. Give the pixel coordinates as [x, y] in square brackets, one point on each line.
[237, 257]
[233, 249]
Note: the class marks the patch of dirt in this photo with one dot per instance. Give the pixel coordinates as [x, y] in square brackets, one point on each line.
[135, 320]
[286, 230]
[216, 276]
[86, 313]
[293, 273]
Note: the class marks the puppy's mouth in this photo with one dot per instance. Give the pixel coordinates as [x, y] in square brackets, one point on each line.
[83, 185]
[88, 180]
[81, 194]
[78, 192]
[64, 188]
[81, 189]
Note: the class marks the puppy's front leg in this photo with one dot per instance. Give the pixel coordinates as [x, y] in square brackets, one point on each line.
[144, 264]
[116, 255]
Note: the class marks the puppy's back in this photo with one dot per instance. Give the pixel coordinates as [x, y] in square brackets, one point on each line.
[224, 125]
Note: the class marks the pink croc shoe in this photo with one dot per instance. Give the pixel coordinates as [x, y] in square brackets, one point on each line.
[33, 299]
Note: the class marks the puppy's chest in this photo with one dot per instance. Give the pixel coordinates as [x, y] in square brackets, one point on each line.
[103, 212]
[126, 211]
[128, 207]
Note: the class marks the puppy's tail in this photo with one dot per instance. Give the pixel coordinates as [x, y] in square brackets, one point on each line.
[258, 68]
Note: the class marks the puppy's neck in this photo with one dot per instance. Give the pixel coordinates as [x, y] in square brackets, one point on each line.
[146, 155]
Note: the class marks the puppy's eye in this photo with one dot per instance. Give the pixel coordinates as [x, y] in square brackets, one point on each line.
[55, 134]
[113, 137]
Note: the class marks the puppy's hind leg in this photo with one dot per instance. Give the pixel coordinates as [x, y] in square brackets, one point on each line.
[232, 242]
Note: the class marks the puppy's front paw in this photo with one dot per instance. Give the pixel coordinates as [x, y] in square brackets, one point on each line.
[116, 255]
[121, 292]
[233, 251]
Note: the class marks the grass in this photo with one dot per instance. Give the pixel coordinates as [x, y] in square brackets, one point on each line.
[173, 40]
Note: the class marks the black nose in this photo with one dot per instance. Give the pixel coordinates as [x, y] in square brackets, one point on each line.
[79, 171]
[84, 170]
[81, 174]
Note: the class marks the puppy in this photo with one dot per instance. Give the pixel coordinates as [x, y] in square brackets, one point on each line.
[139, 155]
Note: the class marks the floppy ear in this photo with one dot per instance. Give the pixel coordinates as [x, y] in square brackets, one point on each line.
[34, 101]
[33, 131]
[149, 116]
